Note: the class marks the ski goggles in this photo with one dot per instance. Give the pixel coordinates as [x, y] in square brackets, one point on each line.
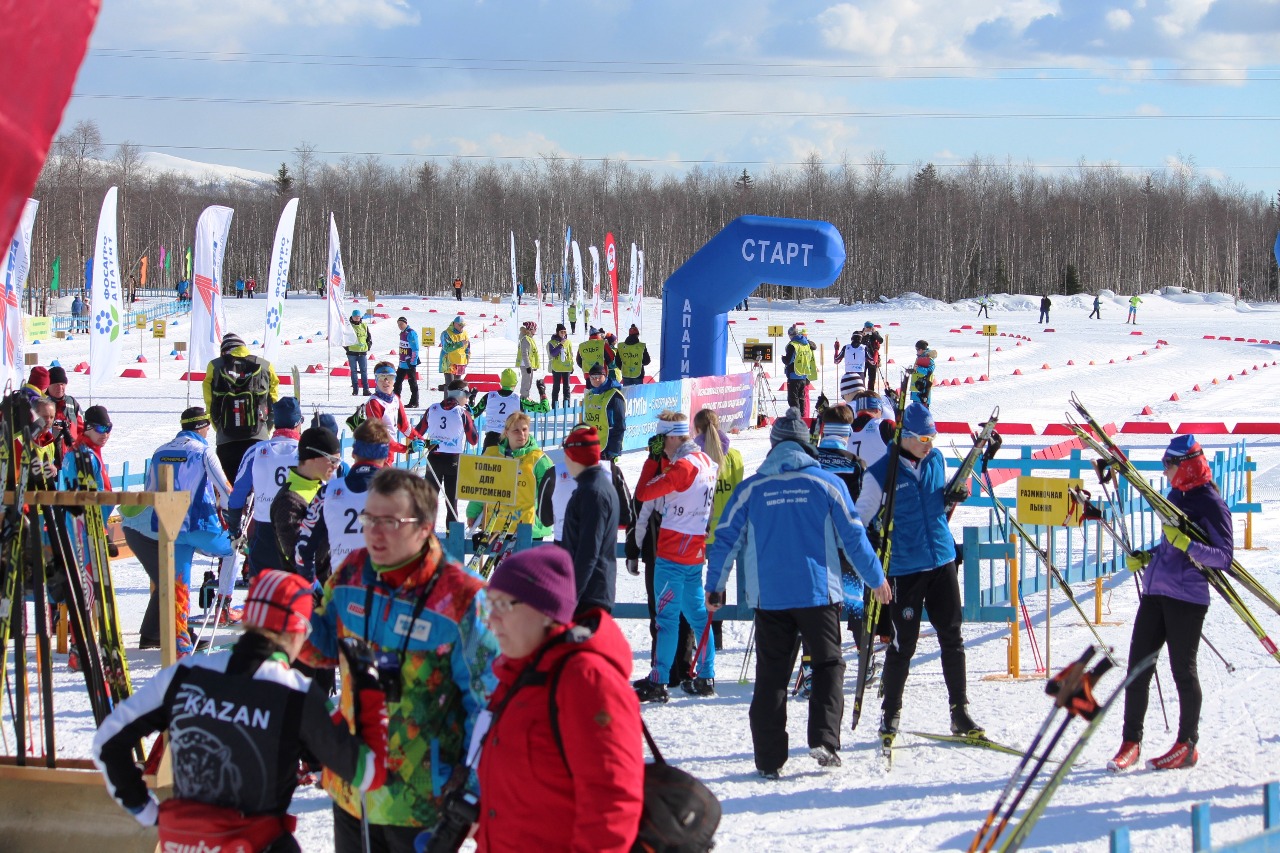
[1175, 460]
[384, 370]
[923, 439]
[100, 429]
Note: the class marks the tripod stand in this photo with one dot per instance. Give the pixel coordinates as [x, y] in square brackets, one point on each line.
[764, 394]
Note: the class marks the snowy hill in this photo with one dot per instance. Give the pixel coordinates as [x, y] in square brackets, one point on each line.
[206, 172]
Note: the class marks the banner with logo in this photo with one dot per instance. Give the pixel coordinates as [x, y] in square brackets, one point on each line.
[106, 304]
[338, 330]
[594, 317]
[731, 397]
[579, 297]
[645, 403]
[511, 331]
[611, 267]
[208, 315]
[278, 280]
[17, 262]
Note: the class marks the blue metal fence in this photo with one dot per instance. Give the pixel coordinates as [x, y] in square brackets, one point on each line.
[67, 323]
[1084, 553]
[1268, 841]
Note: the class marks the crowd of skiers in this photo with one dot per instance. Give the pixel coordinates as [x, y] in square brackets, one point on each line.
[347, 576]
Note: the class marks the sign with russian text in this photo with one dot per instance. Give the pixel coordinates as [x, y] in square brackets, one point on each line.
[1045, 501]
[730, 397]
[487, 479]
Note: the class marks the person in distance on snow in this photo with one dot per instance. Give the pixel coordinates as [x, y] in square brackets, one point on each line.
[1045, 304]
[527, 358]
[783, 525]
[238, 722]
[560, 360]
[922, 569]
[871, 342]
[358, 355]
[584, 790]
[1174, 602]
[854, 358]
[801, 367]
[408, 361]
[634, 355]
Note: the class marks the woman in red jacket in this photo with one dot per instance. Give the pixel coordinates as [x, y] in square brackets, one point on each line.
[583, 790]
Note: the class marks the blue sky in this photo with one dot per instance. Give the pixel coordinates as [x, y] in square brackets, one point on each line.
[755, 84]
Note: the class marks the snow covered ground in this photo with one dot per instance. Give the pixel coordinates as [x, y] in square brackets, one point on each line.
[936, 795]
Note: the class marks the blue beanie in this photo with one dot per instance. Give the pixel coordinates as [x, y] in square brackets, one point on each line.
[325, 420]
[1182, 446]
[286, 413]
[918, 420]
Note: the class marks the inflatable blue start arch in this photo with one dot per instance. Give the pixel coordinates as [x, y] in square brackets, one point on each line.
[750, 251]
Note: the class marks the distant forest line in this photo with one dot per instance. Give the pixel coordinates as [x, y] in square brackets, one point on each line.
[944, 233]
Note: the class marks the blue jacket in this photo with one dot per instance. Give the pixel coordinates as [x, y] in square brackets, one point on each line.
[922, 538]
[408, 350]
[787, 526]
[1171, 571]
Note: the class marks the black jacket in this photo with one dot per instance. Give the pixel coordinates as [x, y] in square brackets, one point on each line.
[238, 723]
[591, 537]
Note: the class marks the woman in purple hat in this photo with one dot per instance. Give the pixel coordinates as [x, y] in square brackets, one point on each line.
[1174, 602]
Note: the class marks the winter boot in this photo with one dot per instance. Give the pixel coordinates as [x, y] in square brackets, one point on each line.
[413, 404]
[648, 690]
[1182, 754]
[229, 615]
[367, 392]
[699, 686]
[1126, 757]
[355, 392]
[962, 724]
[825, 756]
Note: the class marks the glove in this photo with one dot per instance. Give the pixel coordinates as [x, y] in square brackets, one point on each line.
[1176, 538]
[148, 814]
[371, 703]
[479, 541]
[417, 446]
[528, 371]
[235, 523]
[113, 550]
[1137, 562]
[633, 566]
[541, 386]
[656, 446]
[361, 663]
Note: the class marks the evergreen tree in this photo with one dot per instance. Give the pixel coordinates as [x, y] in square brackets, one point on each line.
[283, 180]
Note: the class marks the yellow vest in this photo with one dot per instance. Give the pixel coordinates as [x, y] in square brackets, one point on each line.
[458, 356]
[563, 364]
[592, 353]
[526, 487]
[632, 356]
[804, 364]
[595, 412]
[362, 338]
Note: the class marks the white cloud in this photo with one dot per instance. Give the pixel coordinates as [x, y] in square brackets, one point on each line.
[1119, 19]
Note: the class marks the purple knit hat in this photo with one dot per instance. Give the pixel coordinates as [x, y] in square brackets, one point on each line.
[541, 577]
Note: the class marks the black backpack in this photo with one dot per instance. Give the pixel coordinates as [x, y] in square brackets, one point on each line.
[680, 814]
[240, 393]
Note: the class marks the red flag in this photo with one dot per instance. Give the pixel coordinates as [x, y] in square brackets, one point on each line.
[611, 264]
[41, 47]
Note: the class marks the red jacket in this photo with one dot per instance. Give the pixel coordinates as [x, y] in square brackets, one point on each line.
[528, 799]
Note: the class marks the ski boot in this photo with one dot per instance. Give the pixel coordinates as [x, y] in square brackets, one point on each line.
[229, 615]
[963, 725]
[1126, 757]
[648, 690]
[1182, 754]
[699, 686]
[888, 730]
[355, 392]
[73, 661]
[770, 775]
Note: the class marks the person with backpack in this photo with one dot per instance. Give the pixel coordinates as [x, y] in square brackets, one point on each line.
[498, 406]
[238, 724]
[582, 788]
[1045, 304]
[358, 355]
[560, 356]
[409, 361]
[448, 427]
[922, 377]
[239, 388]
[801, 367]
[262, 473]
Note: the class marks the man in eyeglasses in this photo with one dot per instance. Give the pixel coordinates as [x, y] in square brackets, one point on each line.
[425, 617]
[319, 455]
[922, 568]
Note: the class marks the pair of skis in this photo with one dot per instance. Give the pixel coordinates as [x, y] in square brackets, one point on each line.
[1072, 692]
[1112, 457]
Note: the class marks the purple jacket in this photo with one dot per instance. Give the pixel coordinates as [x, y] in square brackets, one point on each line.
[1171, 572]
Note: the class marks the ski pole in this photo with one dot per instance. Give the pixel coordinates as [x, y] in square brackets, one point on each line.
[746, 657]
[700, 650]
[1225, 662]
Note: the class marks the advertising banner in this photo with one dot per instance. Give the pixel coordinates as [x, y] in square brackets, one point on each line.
[644, 404]
[731, 397]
